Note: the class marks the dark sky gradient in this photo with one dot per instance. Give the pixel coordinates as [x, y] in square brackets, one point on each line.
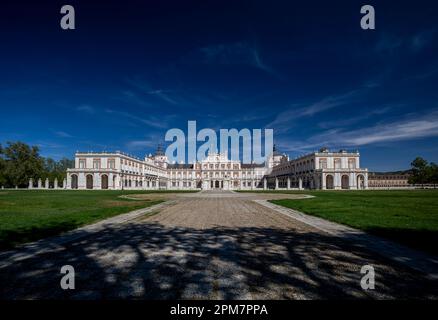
[133, 69]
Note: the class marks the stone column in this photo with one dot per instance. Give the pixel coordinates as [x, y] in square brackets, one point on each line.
[30, 183]
[300, 184]
[323, 185]
[55, 184]
[97, 181]
[252, 184]
[288, 183]
[337, 180]
[276, 183]
[265, 184]
[64, 183]
[40, 183]
[365, 181]
[67, 182]
[46, 184]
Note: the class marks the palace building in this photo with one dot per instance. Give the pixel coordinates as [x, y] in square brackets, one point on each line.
[389, 180]
[118, 171]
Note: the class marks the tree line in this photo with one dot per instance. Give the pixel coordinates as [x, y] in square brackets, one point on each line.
[19, 162]
[423, 172]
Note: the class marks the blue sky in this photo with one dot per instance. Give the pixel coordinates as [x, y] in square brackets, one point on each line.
[133, 69]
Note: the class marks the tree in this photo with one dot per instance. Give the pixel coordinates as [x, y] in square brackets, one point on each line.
[2, 168]
[21, 162]
[57, 169]
[419, 171]
[433, 173]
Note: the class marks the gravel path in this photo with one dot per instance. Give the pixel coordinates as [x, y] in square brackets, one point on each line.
[213, 246]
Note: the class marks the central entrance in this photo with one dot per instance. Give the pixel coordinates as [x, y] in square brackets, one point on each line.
[217, 184]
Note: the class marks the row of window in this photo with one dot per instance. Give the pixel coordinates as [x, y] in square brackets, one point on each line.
[306, 165]
[97, 163]
[387, 184]
[111, 164]
[403, 178]
[135, 183]
[337, 163]
[218, 166]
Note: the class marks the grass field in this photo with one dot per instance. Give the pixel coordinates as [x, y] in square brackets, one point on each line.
[409, 216]
[31, 215]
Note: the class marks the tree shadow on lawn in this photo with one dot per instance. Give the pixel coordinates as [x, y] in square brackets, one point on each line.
[11, 238]
[424, 240]
[152, 261]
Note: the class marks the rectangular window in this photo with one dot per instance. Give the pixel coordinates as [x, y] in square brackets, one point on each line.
[82, 164]
[111, 164]
[96, 164]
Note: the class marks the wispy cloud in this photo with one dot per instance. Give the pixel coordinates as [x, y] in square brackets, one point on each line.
[284, 120]
[260, 64]
[128, 96]
[63, 134]
[151, 121]
[238, 53]
[425, 126]
[86, 108]
[149, 142]
[43, 144]
[353, 120]
[146, 89]
[163, 95]
[390, 43]
[422, 39]
[135, 144]
[432, 71]
[406, 129]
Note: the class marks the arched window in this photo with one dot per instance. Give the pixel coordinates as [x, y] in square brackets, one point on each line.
[345, 182]
[329, 183]
[104, 181]
[74, 181]
[89, 181]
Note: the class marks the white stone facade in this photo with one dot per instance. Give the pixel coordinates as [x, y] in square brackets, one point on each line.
[118, 171]
[320, 170]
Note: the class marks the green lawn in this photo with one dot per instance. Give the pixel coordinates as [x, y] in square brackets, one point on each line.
[409, 216]
[28, 215]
